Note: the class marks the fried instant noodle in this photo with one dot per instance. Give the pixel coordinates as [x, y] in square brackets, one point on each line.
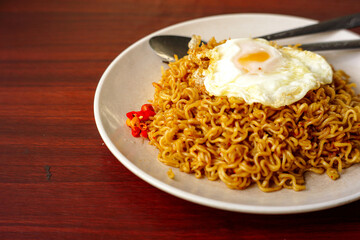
[241, 144]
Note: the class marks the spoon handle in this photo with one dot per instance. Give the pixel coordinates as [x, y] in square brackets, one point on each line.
[346, 22]
[348, 44]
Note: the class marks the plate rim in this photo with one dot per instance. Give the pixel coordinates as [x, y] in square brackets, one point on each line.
[235, 207]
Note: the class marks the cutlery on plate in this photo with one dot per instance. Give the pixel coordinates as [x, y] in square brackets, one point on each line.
[345, 22]
[166, 46]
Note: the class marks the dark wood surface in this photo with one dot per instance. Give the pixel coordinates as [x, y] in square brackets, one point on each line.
[57, 178]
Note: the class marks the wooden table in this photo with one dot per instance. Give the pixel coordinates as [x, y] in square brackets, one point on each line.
[57, 178]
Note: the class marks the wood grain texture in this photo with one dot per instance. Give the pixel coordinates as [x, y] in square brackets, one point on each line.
[57, 178]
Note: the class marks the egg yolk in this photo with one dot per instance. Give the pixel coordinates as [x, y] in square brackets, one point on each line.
[254, 57]
[259, 57]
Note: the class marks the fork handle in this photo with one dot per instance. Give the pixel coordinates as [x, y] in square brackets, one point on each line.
[348, 44]
[345, 22]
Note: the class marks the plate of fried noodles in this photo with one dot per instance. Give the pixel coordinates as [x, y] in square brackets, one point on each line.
[222, 152]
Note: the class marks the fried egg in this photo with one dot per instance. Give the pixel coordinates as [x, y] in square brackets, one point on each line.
[256, 71]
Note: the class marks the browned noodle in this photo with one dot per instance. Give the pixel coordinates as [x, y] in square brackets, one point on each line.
[240, 144]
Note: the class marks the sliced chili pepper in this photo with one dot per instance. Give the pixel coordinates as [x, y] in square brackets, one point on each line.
[144, 115]
[128, 122]
[144, 134]
[143, 126]
[131, 114]
[151, 113]
[135, 131]
[147, 107]
[135, 122]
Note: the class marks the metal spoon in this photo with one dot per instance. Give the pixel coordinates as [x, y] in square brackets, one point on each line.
[167, 45]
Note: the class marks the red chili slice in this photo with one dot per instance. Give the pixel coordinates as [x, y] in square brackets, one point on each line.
[139, 128]
[152, 113]
[147, 107]
[144, 115]
[135, 131]
[144, 134]
[131, 114]
[143, 126]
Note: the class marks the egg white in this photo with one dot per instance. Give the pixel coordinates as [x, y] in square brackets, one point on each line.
[282, 79]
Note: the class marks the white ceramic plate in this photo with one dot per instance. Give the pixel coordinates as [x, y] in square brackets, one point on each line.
[127, 84]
